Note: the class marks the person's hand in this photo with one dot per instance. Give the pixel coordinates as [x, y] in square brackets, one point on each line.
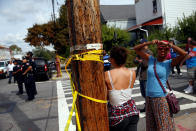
[154, 42]
[140, 61]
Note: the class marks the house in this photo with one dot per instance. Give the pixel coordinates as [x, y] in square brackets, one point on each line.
[119, 16]
[5, 53]
[160, 13]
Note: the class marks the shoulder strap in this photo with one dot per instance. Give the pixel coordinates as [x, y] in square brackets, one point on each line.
[159, 79]
[110, 77]
[130, 79]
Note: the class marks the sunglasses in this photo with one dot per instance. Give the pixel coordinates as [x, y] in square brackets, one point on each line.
[163, 47]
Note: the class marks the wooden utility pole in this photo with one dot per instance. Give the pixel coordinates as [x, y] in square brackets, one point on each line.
[88, 76]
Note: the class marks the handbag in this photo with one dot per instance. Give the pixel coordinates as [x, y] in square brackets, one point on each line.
[171, 97]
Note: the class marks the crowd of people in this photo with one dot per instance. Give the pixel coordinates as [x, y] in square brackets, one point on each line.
[123, 113]
[23, 73]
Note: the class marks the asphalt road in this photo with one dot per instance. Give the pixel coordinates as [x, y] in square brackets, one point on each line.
[18, 115]
[50, 109]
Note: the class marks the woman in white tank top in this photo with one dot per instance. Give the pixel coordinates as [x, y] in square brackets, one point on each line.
[123, 114]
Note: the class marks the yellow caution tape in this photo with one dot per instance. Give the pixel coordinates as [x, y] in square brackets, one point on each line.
[95, 55]
[92, 99]
[71, 112]
[62, 57]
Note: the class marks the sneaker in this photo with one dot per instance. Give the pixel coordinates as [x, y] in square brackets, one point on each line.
[187, 88]
[180, 74]
[190, 90]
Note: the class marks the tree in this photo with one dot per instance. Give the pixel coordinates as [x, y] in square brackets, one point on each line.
[42, 52]
[186, 27]
[15, 49]
[114, 36]
[51, 33]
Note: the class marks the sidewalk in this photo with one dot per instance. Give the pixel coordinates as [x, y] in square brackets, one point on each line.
[64, 76]
[186, 122]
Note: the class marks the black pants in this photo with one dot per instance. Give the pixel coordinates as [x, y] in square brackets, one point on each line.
[128, 124]
[177, 68]
[20, 86]
[30, 86]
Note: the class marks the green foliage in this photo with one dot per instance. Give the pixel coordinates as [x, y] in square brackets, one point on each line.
[182, 45]
[42, 52]
[55, 33]
[114, 37]
[162, 34]
[186, 27]
[15, 49]
[130, 58]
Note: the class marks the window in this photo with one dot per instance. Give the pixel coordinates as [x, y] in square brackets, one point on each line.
[40, 62]
[154, 3]
[1, 64]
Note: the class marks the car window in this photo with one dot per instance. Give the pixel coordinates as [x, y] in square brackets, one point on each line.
[40, 62]
[1, 64]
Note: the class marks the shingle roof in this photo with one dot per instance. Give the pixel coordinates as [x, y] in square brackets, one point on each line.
[118, 12]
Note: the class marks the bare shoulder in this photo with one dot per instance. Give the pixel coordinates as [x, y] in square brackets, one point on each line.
[133, 73]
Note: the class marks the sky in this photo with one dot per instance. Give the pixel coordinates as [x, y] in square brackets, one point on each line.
[16, 16]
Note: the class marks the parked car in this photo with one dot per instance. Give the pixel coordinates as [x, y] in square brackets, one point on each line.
[52, 65]
[3, 69]
[42, 68]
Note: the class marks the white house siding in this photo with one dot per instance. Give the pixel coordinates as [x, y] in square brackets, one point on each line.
[5, 54]
[144, 11]
[122, 24]
[175, 9]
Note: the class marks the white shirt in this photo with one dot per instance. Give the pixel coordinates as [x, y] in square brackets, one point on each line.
[10, 67]
[118, 97]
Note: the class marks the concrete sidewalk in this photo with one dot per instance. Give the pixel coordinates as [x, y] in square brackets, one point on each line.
[186, 122]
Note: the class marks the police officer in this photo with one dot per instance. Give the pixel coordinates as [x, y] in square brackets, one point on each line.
[32, 63]
[17, 72]
[29, 80]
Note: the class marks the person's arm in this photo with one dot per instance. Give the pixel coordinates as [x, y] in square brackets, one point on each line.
[185, 58]
[133, 78]
[181, 53]
[138, 49]
[27, 70]
[137, 60]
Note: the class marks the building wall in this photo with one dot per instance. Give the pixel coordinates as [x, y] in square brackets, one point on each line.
[174, 9]
[122, 24]
[5, 54]
[144, 11]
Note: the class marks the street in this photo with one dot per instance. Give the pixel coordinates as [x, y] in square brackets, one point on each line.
[50, 109]
[18, 115]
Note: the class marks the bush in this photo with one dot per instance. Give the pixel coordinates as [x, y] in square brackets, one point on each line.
[186, 27]
[130, 58]
[114, 37]
[162, 34]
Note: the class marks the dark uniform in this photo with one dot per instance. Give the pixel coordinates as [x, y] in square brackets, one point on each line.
[29, 80]
[19, 78]
[32, 63]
